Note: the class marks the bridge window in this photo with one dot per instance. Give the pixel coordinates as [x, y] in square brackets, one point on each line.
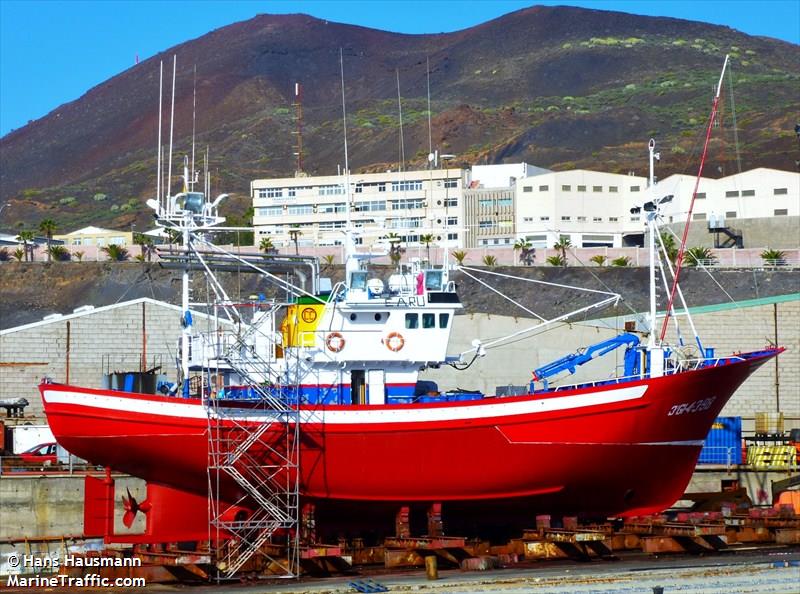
[428, 320]
[412, 321]
[444, 319]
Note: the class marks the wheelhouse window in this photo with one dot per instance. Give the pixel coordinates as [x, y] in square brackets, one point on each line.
[412, 321]
[444, 319]
[428, 320]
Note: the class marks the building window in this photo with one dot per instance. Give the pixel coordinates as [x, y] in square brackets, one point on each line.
[369, 206]
[731, 214]
[330, 190]
[613, 189]
[408, 203]
[332, 207]
[292, 192]
[505, 224]
[780, 191]
[544, 188]
[597, 188]
[634, 188]
[699, 216]
[527, 188]
[270, 211]
[328, 225]
[485, 202]
[700, 195]
[613, 219]
[453, 236]
[779, 212]
[566, 218]
[409, 223]
[566, 188]
[634, 219]
[406, 186]
[581, 188]
[444, 319]
[544, 218]
[527, 219]
[270, 193]
[505, 202]
[452, 221]
[597, 219]
[453, 201]
[381, 187]
[485, 224]
[359, 188]
[412, 321]
[451, 183]
[732, 194]
[300, 209]
[581, 218]
[748, 192]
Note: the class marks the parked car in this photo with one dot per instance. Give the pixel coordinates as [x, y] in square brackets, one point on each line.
[44, 453]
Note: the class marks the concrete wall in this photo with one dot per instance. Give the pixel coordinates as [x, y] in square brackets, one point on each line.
[728, 329]
[100, 341]
[780, 233]
[47, 505]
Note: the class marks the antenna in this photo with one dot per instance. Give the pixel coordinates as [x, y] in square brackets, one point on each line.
[430, 136]
[400, 112]
[194, 106]
[298, 132]
[171, 129]
[160, 110]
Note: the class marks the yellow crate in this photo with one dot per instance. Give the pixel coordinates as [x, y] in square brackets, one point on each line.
[772, 457]
[769, 423]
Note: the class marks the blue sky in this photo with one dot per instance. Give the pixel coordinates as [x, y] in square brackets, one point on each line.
[52, 51]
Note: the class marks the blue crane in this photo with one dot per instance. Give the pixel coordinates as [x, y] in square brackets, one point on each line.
[573, 360]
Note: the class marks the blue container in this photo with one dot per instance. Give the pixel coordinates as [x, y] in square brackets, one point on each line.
[723, 443]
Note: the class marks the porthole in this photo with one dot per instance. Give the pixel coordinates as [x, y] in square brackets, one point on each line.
[353, 317]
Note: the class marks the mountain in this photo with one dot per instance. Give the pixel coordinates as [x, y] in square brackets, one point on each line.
[557, 87]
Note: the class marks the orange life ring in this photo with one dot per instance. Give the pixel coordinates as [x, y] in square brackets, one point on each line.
[394, 341]
[335, 342]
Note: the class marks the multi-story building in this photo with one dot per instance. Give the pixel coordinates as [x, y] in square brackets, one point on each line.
[590, 208]
[409, 204]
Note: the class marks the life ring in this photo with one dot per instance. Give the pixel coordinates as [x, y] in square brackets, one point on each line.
[335, 342]
[394, 341]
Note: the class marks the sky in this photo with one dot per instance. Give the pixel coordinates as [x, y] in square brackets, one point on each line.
[53, 51]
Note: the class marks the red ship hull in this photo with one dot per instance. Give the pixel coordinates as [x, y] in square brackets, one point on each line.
[617, 449]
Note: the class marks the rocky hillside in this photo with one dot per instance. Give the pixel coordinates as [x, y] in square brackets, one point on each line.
[558, 87]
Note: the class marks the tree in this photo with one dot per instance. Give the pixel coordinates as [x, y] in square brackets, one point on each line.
[48, 227]
[395, 249]
[562, 245]
[669, 245]
[266, 245]
[527, 253]
[294, 234]
[599, 259]
[328, 261]
[26, 237]
[622, 261]
[556, 260]
[19, 254]
[459, 256]
[700, 256]
[58, 253]
[773, 257]
[489, 261]
[115, 252]
[427, 240]
[79, 256]
[146, 243]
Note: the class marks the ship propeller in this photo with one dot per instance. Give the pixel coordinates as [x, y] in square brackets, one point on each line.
[132, 507]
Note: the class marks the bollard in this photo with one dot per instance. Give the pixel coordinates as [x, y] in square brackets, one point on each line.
[431, 567]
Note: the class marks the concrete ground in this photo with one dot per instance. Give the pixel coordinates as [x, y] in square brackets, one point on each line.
[768, 570]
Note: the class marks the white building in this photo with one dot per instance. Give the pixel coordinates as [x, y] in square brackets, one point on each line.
[313, 210]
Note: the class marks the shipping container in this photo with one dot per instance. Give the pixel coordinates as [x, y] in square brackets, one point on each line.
[723, 444]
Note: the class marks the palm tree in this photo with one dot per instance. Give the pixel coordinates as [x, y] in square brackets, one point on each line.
[562, 245]
[146, 244]
[773, 257]
[395, 249]
[19, 254]
[294, 234]
[115, 252]
[557, 260]
[328, 261]
[489, 261]
[599, 259]
[25, 237]
[459, 256]
[669, 245]
[58, 253]
[48, 227]
[622, 261]
[79, 256]
[427, 240]
[266, 245]
[526, 251]
[700, 256]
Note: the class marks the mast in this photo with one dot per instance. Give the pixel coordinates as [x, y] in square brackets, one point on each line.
[160, 109]
[351, 264]
[171, 130]
[651, 245]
